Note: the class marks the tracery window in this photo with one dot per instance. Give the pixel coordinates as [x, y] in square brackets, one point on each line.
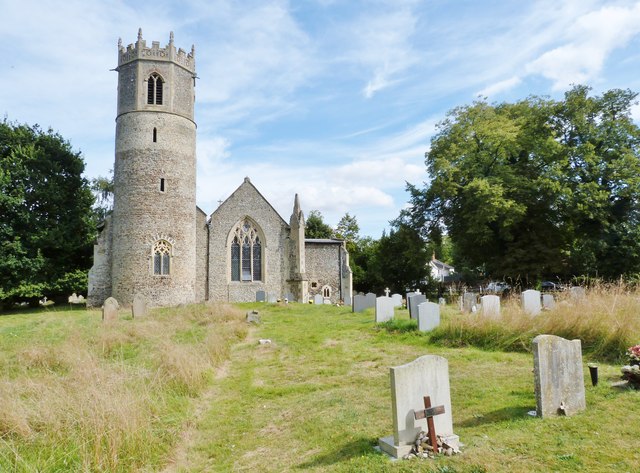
[161, 258]
[154, 89]
[246, 253]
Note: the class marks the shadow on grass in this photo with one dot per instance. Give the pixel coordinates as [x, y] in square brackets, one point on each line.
[355, 448]
[500, 415]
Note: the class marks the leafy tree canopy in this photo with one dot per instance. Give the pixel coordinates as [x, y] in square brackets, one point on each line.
[315, 226]
[536, 188]
[46, 221]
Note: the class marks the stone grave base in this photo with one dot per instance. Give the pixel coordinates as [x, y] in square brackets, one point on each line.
[398, 451]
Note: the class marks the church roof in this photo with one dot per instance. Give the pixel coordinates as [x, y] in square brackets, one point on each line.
[324, 241]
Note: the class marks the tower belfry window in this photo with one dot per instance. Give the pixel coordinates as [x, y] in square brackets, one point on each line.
[154, 90]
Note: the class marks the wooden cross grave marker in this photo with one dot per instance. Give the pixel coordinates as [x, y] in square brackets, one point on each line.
[428, 413]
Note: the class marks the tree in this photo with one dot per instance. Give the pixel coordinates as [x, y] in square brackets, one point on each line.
[536, 188]
[102, 188]
[348, 229]
[315, 226]
[46, 225]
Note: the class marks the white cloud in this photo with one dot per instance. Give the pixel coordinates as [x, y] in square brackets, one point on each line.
[499, 87]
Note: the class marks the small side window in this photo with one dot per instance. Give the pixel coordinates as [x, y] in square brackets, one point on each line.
[155, 135]
[162, 184]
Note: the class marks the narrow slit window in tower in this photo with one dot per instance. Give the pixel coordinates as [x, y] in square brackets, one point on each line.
[162, 184]
[155, 135]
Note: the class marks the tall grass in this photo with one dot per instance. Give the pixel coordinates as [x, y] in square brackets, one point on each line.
[109, 397]
[607, 322]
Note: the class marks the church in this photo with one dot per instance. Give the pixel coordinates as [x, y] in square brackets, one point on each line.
[157, 244]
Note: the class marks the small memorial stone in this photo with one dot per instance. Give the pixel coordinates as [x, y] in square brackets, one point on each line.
[110, 310]
[139, 306]
[548, 302]
[261, 296]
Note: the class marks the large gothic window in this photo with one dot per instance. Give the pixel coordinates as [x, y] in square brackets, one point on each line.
[154, 90]
[161, 254]
[246, 253]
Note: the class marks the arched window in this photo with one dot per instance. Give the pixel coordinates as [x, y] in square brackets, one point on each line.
[326, 292]
[154, 89]
[161, 254]
[246, 253]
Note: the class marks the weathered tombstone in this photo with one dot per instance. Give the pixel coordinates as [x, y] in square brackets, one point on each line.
[469, 302]
[558, 375]
[139, 306]
[370, 299]
[490, 306]
[318, 299]
[73, 298]
[110, 310]
[413, 302]
[548, 302]
[359, 303]
[578, 293]
[531, 302]
[290, 297]
[410, 383]
[80, 299]
[397, 300]
[442, 301]
[261, 296]
[428, 316]
[384, 309]
[253, 317]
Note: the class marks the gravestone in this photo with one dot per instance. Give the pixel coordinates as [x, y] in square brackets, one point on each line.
[425, 376]
[578, 293]
[370, 299]
[442, 301]
[490, 306]
[469, 301]
[347, 299]
[318, 299]
[253, 317]
[413, 302]
[558, 376]
[289, 297]
[428, 316]
[408, 295]
[326, 300]
[261, 296]
[73, 298]
[548, 302]
[359, 303]
[384, 309]
[531, 302]
[397, 300]
[110, 310]
[139, 306]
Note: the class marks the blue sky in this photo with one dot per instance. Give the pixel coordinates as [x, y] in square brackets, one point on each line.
[335, 100]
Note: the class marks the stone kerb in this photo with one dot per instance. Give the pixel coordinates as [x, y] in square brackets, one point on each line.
[428, 316]
[139, 306]
[384, 309]
[548, 302]
[531, 302]
[397, 300]
[490, 306]
[413, 302]
[558, 376]
[110, 310]
[425, 376]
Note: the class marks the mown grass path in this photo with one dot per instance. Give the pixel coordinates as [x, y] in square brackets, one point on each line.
[317, 399]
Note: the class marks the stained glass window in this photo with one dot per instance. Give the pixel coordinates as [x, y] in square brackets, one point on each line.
[246, 253]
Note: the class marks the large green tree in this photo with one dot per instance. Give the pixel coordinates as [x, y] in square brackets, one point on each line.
[536, 188]
[46, 221]
[315, 226]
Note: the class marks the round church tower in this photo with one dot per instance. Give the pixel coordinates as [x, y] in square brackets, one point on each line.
[154, 231]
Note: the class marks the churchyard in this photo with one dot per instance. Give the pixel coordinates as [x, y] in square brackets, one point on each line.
[193, 389]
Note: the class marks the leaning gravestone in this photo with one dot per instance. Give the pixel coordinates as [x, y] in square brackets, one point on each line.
[397, 300]
[359, 303]
[410, 383]
[413, 302]
[318, 299]
[428, 316]
[139, 306]
[558, 375]
[110, 310]
[531, 302]
[548, 302]
[261, 296]
[384, 309]
[490, 306]
[469, 301]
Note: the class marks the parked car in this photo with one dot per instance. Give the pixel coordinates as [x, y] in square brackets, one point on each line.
[550, 286]
[497, 287]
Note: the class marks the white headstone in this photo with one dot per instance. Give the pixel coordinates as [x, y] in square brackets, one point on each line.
[428, 316]
[490, 306]
[531, 302]
[413, 302]
[359, 303]
[139, 306]
[558, 376]
[110, 310]
[261, 296]
[370, 299]
[426, 376]
[548, 302]
[318, 299]
[384, 309]
[397, 300]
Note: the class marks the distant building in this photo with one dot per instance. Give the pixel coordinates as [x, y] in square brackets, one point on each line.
[441, 272]
[158, 244]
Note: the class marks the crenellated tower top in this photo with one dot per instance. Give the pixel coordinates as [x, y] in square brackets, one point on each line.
[140, 50]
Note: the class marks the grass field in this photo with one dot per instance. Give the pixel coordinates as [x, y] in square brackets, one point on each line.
[156, 394]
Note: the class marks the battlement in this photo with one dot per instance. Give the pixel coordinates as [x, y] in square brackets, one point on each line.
[140, 50]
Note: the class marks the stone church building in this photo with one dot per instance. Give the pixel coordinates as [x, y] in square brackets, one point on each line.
[157, 243]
